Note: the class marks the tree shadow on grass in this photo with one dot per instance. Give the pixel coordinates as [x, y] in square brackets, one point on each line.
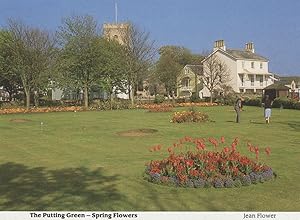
[25, 188]
[169, 198]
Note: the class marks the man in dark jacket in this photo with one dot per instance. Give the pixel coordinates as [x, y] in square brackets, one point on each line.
[268, 108]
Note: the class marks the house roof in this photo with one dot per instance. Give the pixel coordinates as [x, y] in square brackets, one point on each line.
[197, 69]
[238, 55]
[286, 80]
[277, 86]
[245, 55]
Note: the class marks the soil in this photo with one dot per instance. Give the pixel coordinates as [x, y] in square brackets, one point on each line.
[137, 132]
[19, 120]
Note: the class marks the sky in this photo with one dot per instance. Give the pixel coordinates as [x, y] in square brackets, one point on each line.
[272, 25]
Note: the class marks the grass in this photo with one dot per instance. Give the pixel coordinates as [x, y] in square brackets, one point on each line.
[77, 161]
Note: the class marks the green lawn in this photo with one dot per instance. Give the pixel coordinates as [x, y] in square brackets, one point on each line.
[77, 161]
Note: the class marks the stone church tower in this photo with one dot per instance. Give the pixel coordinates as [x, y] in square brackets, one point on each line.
[117, 31]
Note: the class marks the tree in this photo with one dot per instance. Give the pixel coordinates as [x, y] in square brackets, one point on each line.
[28, 54]
[80, 54]
[9, 81]
[169, 66]
[113, 61]
[215, 74]
[140, 52]
[167, 70]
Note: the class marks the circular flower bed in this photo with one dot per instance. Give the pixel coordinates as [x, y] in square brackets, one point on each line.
[222, 167]
[189, 116]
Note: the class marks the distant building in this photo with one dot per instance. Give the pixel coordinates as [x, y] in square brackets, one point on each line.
[249, 71]
[116, 32]
[293, 85]
[188, 80]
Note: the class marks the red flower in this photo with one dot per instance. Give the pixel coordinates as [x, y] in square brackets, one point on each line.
[226, 149]
[236, 140]
[252, 149]
[213, 141]
[194, 172]
[222, 139]
[256, 149]
[189, 163]
[179, 168]
[268, 150]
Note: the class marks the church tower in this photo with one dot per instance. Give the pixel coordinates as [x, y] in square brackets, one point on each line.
[116, 31]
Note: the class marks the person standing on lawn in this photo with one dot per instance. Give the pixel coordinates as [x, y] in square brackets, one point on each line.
[268, 108]
[238, 108]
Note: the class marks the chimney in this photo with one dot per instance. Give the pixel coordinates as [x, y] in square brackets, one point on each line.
[250, 47]
[219, 44]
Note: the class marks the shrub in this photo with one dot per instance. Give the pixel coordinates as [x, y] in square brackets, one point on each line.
[252, 101]
[285, 103]
[202, 167]
[159, 99]
[297, 105]
[108, 105]
[189, 116]
[195, 98]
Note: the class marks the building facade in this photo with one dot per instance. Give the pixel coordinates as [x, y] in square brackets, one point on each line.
[117, 31]
[248, 71]
[188, 81]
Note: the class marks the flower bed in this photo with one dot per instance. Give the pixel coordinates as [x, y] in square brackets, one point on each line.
[160, 108]
[39, 110]
[196, 104]
[188, 104]
[201, 167]
[189, 116]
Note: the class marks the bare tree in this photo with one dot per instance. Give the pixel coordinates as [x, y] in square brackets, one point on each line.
[215, 74]
[140, 52]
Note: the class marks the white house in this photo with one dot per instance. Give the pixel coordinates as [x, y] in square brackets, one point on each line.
[248, 71]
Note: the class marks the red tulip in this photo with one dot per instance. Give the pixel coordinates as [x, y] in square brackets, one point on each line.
[268, 150]
[222, 139]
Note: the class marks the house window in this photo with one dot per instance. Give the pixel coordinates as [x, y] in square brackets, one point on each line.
[261, 65]
[242, 79]
[185, 83]
[260, 79]
[252, 65]
[252, 80]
